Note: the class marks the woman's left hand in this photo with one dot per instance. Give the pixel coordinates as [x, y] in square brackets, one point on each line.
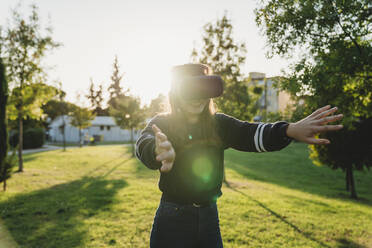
[305, 129]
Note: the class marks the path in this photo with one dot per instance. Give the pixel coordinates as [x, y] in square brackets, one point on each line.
[51, 148]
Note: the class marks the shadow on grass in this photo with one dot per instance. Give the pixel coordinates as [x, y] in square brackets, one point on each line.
[111, 161]
[292, 168]
[345, 243]
[341, 243]
[55, 217]
[143, 172]
[29, 157]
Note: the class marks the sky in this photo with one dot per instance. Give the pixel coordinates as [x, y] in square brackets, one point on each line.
[149, 37]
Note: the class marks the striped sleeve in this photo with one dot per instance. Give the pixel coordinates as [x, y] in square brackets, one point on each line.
[145, 145]
[252, 137]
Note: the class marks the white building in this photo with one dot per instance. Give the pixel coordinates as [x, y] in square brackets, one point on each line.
[276, 100]
[104, 126]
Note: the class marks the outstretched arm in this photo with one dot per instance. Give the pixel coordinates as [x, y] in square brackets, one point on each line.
[305, 129]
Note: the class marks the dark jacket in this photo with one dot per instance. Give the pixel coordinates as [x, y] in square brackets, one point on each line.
[197, 172]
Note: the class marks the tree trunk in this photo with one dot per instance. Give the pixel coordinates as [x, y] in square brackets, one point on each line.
[3, 122]
[63, 133]
[20, 140]
[224, 178]
[79, 137]
[265, 94]
[352, 184]
[131, 141]
[4, 185]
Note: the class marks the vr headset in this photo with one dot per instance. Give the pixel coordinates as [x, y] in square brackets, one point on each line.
[194, 81]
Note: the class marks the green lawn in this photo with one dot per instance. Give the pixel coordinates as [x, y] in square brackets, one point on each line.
[97, 196]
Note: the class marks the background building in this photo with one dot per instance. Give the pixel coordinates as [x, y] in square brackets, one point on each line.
[104, 126]
[272, 99]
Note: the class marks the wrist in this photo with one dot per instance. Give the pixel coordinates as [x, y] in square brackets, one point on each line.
[290, 130]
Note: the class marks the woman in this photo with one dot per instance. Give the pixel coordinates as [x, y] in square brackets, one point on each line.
[187, 146]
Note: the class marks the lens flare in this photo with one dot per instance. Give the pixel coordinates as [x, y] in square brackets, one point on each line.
[202, 167]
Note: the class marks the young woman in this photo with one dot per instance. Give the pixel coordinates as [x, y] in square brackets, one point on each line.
[187, 147]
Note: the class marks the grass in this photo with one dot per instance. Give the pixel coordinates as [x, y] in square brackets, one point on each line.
[98, 196]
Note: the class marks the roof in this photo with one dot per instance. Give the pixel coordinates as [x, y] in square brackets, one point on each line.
[103, 120]
[98, 121]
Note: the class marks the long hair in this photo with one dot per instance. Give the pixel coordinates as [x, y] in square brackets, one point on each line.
[178, 124]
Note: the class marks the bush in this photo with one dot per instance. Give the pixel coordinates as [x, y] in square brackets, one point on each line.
[32, 138]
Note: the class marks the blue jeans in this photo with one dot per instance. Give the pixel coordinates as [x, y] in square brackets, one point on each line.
[185, 226]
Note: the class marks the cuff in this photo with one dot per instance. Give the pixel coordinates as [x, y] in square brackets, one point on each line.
[156, 164]
[284, 132]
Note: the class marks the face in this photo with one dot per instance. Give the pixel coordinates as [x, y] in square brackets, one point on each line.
[194, 106]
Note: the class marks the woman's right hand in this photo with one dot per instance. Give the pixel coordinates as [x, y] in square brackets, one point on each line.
[163, 149]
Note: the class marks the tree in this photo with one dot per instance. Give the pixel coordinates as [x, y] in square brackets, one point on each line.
[3, 102]
[24, 46]
[6, 162]
[59, 107]
[81, 118]
[225, 56]
[128, 114]
[96, 99]
[336, 68]
[157, 105]
[115, 90]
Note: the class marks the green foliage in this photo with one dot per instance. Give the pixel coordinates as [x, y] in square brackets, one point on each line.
[128, 114]
[127, 111]
[157, 105]
[6, 167]
[124, 107]
[81, 117]
[31, 97]
[312, 25]
[115, 88]
[226, 56]
[3, 124]
[23, 46]
[32, 138]
[96, 99]
[258, 90]
[6, 161]
[274, 116]
[336, 65]
[351, 148]
[54, 108]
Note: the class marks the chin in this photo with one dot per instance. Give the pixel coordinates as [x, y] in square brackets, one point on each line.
[196, 111]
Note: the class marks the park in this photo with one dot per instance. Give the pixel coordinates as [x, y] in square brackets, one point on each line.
[83, 165]
[101, 197]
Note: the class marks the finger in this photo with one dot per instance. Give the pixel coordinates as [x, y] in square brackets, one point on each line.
[320, 110]
[159, 150]
[314, 141]
[327, 128]
[325, 120]
[165, 145]
[161, 136]
[166, 166]
[155, 129]
[326, 113]
[164, 156]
